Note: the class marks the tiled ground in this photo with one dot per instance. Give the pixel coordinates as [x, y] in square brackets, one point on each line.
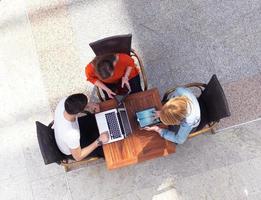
[43, 52]
[184, 41]
[221, 166]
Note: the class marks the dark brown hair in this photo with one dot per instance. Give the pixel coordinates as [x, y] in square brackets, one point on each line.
[103, 65]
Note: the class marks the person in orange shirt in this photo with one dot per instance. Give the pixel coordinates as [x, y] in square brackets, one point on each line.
[111, 72]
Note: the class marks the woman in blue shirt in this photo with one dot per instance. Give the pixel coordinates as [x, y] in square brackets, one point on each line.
[181, 113]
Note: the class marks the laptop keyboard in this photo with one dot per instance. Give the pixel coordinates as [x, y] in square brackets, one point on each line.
[113, 125]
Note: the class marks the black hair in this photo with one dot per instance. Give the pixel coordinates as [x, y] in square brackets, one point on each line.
[75, 103]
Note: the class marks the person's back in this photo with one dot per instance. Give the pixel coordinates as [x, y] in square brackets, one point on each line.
[181, 113]
[67, 133]
[193, 109]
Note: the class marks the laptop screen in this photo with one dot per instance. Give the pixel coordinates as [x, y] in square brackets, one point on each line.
[124, 121]
[121, 98]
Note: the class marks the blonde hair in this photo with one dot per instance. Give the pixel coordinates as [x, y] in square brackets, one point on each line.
[174, 111]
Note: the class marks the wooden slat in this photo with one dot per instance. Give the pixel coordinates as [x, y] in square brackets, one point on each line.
[141, 145]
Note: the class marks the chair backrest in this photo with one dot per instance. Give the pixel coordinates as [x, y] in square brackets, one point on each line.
[213, 102]
[47, 143]
[114, 44]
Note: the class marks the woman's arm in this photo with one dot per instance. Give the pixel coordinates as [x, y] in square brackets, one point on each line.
[179, 137]
[125, 78]
[102, 86]
[128, 71]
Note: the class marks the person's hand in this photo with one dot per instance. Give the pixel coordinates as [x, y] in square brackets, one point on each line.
[110, 93]
[93, 107]
[156, 114]
[125, 81]
[152, 128]
[104, 137]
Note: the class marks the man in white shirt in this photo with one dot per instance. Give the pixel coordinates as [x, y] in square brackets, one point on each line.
[75, 136]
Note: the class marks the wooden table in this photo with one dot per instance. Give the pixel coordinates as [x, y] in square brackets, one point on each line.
[141, 145]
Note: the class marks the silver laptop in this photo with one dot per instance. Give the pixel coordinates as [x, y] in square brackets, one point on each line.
[116, 122]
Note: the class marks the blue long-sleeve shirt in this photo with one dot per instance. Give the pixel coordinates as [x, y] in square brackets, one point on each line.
[191, 121]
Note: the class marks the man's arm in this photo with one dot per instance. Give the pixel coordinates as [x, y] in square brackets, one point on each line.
[80, 153]
[92, 107]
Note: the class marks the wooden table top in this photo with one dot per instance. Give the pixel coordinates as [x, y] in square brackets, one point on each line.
[141, 145]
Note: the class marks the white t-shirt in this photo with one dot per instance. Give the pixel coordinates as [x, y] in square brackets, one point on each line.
[67, 133]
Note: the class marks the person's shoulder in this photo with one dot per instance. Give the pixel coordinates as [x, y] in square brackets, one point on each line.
[89, 66]
[89, 70]
[60, 104]
[191, 121]
[182, 89]
[72, 134]
[124, 56]
[184, 123]
[63, 100]
[185, 91]
[179, 91]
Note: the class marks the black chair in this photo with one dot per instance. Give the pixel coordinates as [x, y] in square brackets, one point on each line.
[118, 44]
[213, 104]
[50, 150]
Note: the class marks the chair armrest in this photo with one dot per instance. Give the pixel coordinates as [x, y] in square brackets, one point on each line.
[200, 86]
[51, 124]
[142, 69]
[68, 163]
[203, 130]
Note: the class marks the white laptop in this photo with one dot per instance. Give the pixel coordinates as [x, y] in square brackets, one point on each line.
[116, 122]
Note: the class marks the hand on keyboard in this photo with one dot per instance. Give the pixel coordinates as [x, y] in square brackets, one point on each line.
[104, 137]
[156, 114]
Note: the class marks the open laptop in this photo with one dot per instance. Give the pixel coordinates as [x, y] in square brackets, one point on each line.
[115, 121]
